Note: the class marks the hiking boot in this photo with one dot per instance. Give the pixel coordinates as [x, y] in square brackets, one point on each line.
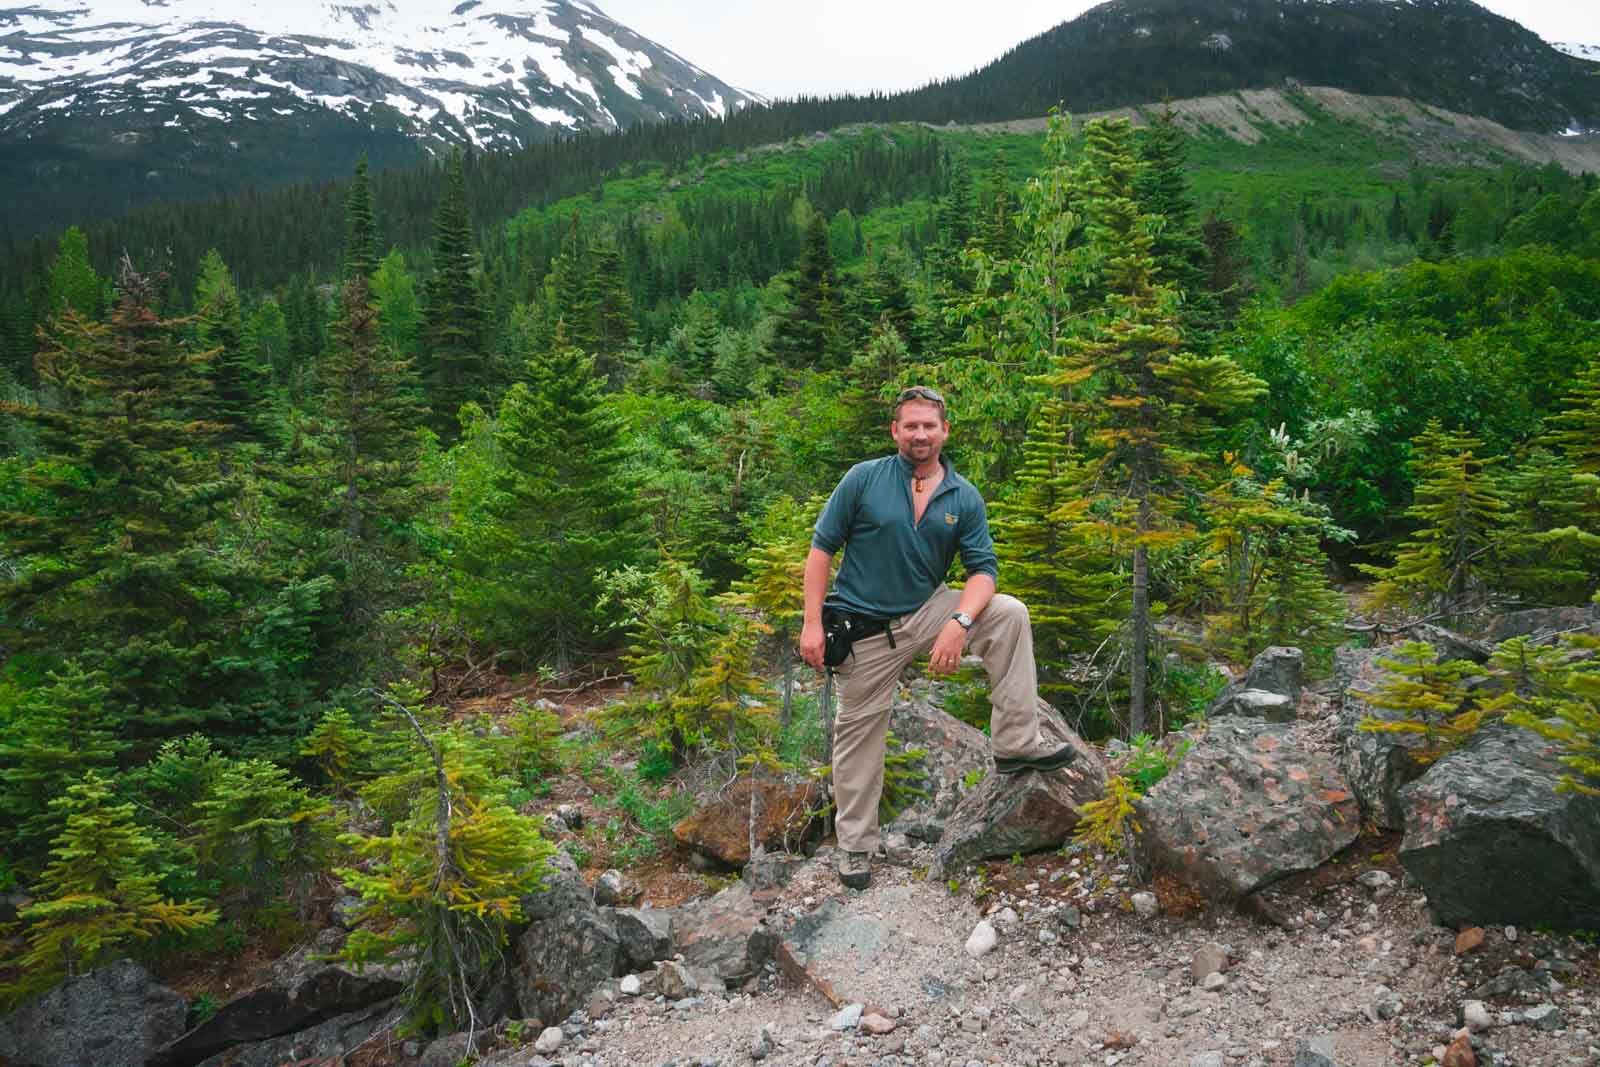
[855, 869]
[1049, 761]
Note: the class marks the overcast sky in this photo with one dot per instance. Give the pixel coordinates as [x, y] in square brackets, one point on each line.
[787, 47]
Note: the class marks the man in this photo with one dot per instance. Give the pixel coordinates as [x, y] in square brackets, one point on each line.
[903, 518]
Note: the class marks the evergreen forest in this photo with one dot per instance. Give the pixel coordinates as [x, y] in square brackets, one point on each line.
[295, 485]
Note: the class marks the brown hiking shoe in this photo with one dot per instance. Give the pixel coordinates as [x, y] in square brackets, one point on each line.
[855, 869]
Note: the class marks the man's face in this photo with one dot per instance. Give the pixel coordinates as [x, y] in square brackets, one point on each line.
[918, 431]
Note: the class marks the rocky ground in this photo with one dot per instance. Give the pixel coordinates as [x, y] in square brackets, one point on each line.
[1084, 970]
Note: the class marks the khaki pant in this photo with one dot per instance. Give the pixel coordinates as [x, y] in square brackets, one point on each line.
[869, 678]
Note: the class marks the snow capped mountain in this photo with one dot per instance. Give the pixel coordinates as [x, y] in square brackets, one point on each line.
[1591, 52]
[484, 72]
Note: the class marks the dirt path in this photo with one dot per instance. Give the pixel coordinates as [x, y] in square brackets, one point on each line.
[1078, 977]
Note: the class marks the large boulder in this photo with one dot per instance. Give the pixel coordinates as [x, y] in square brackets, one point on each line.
[327, 1042]
[1250, 804]
[727, 935]
[1449, 645]
[116, 1016]
[781, 816]
[1542, 624]
[1376, 763]
[569, 947]
[952, 752]
[644, 936]
[1490, 840]
[302, 989]
[1026, 812]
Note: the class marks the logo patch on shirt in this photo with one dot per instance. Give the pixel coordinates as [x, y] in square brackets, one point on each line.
[949, 519]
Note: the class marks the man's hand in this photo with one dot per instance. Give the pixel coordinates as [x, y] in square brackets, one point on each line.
[946, 654]
[812, 644]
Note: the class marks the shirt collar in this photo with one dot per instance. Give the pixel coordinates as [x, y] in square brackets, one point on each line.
[907, 469]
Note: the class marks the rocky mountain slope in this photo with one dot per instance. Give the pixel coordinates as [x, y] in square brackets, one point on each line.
[1445, 53]
[174, 100]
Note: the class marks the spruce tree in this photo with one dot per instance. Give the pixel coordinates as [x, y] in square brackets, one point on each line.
[453, 324]
[394, 290]
[557, 513]
[115, 567]
[1075, 595]
[774, 579]
[808, 334]
[444, 887]
[242, 400]
[1550, 548]
[1155, 402]
[53, 734]
[257, 826]
[1020, 315]
[73, 283]
[1451, 562]
[98, 896]
[351, 474]
[1179, 250]
[610, 309]
[361, 244]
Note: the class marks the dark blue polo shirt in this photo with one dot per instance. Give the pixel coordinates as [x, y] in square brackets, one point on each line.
[892, 565]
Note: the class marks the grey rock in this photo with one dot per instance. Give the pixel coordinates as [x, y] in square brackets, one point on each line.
[1270, 689]
[1317, 1052]
[569, 947]
[1475, 1016]
[326, 1042]
[1541, 623]
[630, 985]
[727, 935]
[1026, 812]
[1254, 704]
[1210, 958]
[116, 1016]
[549, 1040]
[1145, 905]
[1449, 645]
[1544, 1017]
[1486, 814]
[768, 872]
[452, 1049]
[677, 982]
[982, 940]
[1213, 982]
[953, 751]
[1208, 1059]
[611, 889]
[762, 1046]
[1377, 764]
[572, 815]
[846, 1017]
[1249, 805]
[1375, 879]
[301, 990]
[644, 936]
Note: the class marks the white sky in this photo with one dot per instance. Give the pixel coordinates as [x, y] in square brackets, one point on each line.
[782, 48]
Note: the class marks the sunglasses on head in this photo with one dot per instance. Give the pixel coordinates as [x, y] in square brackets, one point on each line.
[919, 392]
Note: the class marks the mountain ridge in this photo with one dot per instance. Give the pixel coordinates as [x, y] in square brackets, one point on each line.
[172, 101]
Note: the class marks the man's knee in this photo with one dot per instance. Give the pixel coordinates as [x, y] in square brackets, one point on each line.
[1008, 609]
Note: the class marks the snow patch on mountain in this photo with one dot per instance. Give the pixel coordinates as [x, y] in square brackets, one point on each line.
[488, 72]
[1591, 52]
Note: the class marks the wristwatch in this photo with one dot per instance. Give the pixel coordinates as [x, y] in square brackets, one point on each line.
[964, 619]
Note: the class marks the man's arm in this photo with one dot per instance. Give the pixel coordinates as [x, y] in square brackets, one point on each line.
[945, 656]
[818, 565]
[977, 556]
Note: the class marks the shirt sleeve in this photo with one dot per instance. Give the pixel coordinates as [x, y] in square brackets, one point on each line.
[833, 525]
[977, 546]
